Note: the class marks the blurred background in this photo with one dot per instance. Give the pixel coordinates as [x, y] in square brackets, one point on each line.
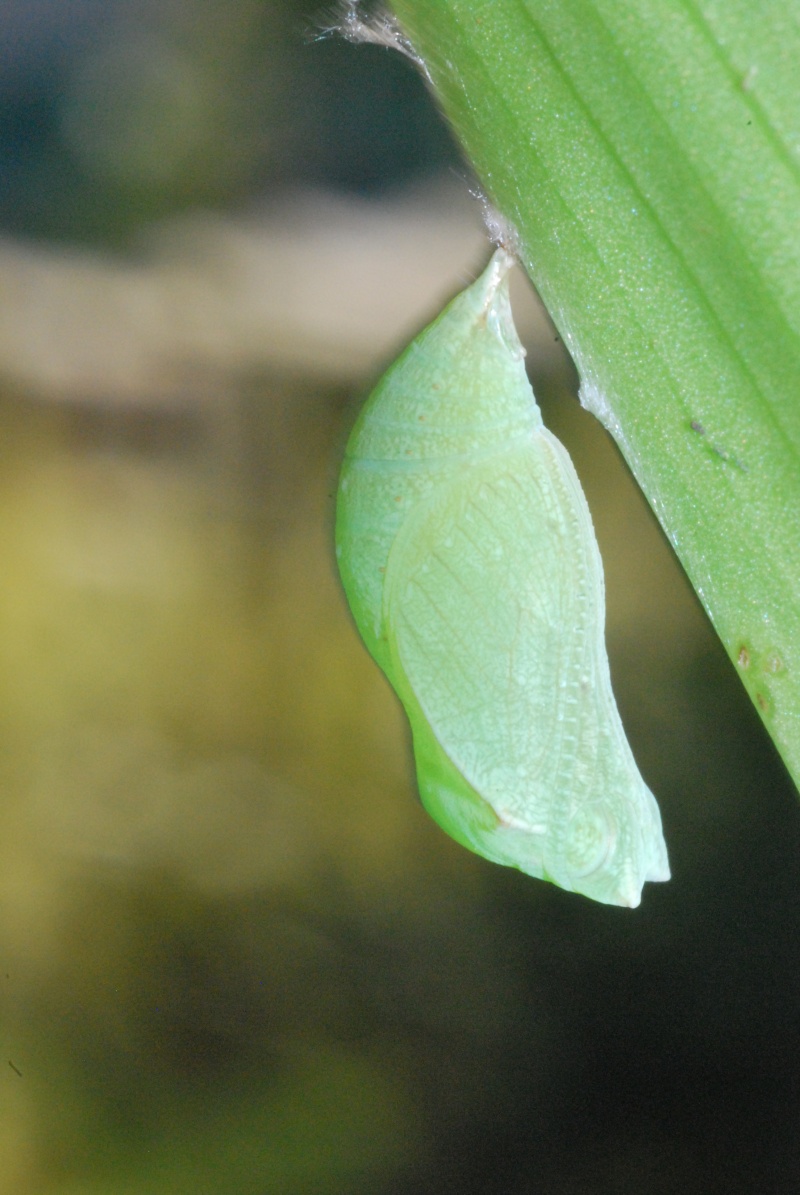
[236, 958]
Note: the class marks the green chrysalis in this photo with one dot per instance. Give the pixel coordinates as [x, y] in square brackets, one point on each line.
[470, 563]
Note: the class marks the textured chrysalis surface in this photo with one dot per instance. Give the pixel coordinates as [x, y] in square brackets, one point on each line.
[471, 567]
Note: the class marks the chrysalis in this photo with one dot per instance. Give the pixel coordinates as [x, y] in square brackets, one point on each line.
[470, 563]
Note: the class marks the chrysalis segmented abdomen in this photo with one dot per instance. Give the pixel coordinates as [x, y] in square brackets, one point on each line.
[469, 560]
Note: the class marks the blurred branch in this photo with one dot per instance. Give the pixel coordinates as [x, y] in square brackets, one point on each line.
[318, 285]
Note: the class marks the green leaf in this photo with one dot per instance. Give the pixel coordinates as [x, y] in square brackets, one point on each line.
[647, 153]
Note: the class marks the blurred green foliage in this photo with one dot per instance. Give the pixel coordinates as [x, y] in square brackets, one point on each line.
[238, 956]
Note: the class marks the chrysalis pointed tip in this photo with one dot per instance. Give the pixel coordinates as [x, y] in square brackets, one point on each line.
[500, 265]
[496, 303]
[629, 896]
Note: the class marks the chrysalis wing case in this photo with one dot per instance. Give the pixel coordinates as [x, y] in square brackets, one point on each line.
[470, 563]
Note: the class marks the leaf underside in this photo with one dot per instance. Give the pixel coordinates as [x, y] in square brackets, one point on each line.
[648, 155]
